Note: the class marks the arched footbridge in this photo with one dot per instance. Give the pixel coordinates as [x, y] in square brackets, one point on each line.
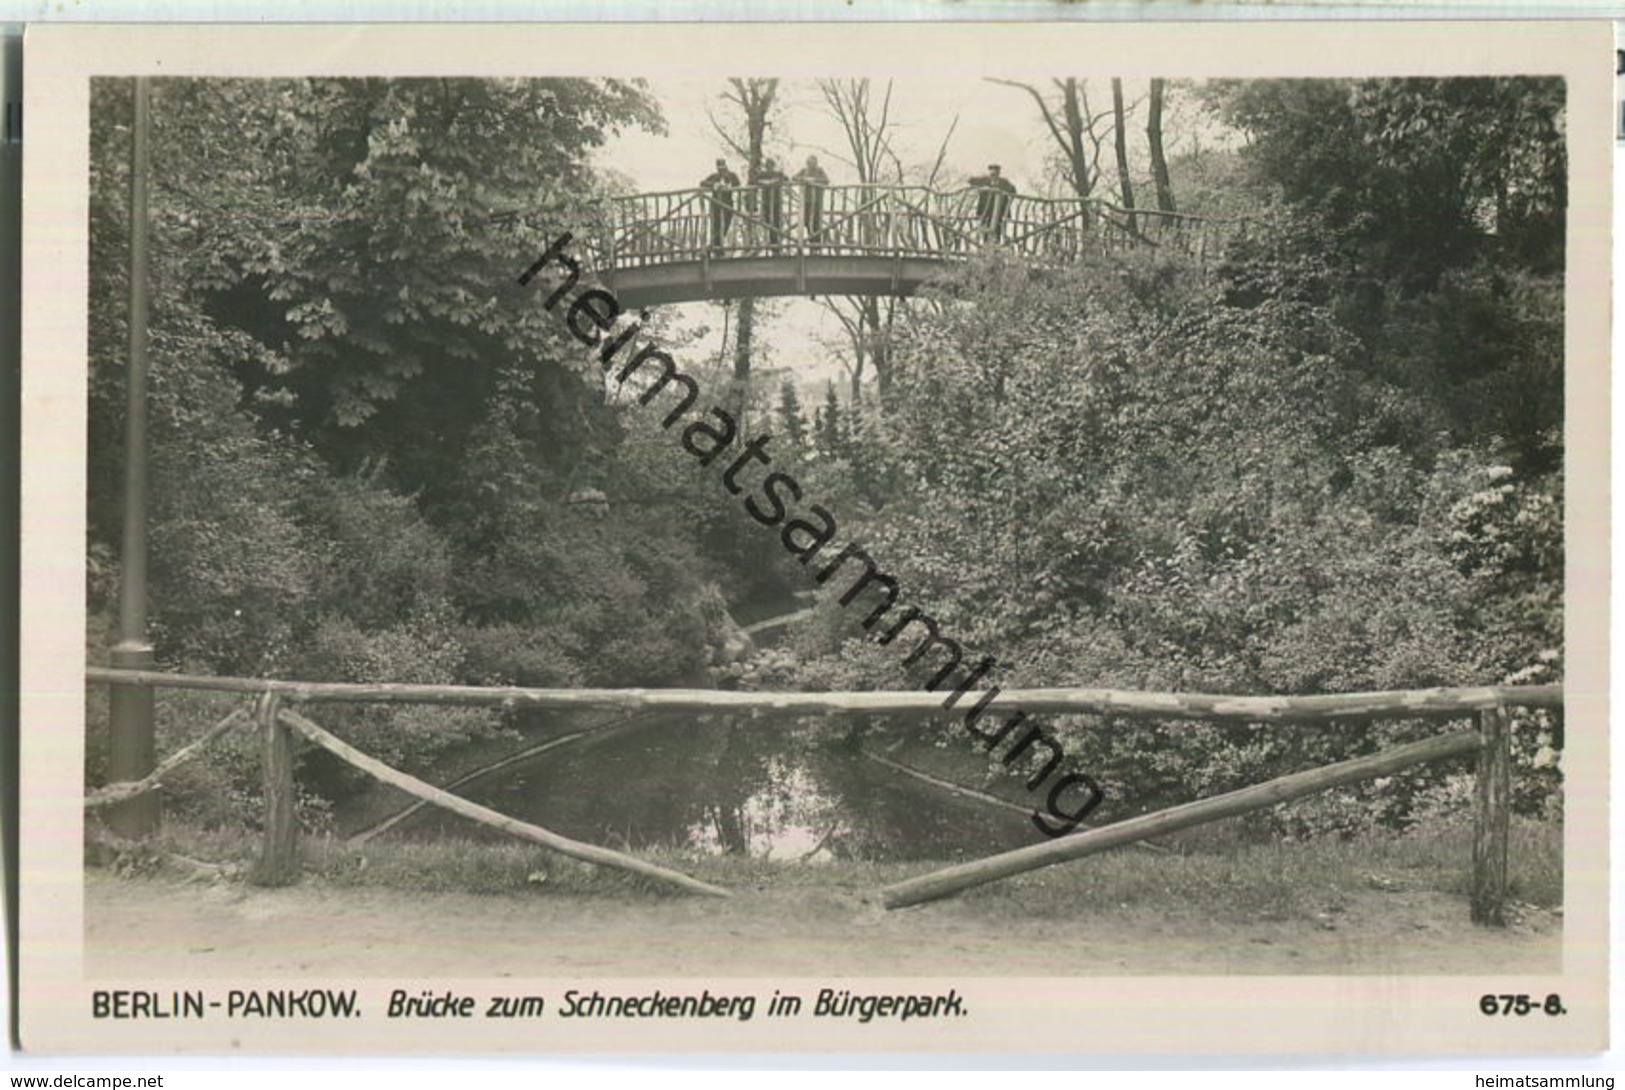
[795, 239]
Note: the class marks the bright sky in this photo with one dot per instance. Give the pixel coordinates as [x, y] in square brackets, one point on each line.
[996, 124]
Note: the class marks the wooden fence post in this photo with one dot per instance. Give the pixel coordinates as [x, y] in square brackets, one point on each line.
[277, 864]
[1492, 813]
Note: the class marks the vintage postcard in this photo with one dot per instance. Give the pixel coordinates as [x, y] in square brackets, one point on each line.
[970, 538]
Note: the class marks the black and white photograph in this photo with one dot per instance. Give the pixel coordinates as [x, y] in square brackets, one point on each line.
[545, 541]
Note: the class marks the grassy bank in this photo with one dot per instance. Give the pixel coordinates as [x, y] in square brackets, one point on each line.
[1242, 883]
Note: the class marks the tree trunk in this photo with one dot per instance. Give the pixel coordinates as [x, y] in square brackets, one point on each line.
[1159, 160]
[1120, 126]
[1070, 125]
[755, 98]
[878, 333]
[867, 126]
[1083, 182]
[743, 339]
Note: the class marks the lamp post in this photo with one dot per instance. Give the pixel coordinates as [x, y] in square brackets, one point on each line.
[130, 755]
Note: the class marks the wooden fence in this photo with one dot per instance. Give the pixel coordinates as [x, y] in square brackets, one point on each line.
[274, 701]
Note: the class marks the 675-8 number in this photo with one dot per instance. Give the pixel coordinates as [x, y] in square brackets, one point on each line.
[1520, 1005]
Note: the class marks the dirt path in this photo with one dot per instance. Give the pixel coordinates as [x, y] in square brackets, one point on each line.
[142, 927]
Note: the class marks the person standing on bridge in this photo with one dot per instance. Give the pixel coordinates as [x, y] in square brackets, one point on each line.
[771, 180]
[813, 183]
[721, 184]
[993, 193]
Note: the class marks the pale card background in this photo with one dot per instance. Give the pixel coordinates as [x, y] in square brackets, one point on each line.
[1314, 1013]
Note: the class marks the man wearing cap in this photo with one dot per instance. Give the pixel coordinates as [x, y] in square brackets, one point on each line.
[993, 193]
[721, 182]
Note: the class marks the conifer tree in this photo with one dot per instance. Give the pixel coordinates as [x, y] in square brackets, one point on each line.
[791, 413]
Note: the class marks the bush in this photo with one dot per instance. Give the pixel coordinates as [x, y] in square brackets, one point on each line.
[406, 736]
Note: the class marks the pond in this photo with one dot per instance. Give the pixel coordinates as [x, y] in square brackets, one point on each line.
[769, 788]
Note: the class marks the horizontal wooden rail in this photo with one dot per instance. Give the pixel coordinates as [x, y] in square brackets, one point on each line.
[952, 880]
[1402, 703]
[963, 192]
[525, 830]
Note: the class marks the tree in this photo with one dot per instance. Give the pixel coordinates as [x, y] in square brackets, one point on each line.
[1153, 136]
[1080, 135]
[1437, 207]
[1075, 130]
[829, 426]
[791, 415]
[351, 227]
[366, 439]
[866, 125]
[755, 99]
[1425, 173]
[867, 319]
[1125, 184]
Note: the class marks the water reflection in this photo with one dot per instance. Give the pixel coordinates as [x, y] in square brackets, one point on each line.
[774, 789]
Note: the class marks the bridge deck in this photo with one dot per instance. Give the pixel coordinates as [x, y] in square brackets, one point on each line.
[731, 277]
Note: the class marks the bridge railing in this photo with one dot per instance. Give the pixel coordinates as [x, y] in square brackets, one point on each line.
[273, 704]
[794, 218]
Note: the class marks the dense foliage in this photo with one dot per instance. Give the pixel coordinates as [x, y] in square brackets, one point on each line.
[366, 438]
[1333, 463]
[1330, 460]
